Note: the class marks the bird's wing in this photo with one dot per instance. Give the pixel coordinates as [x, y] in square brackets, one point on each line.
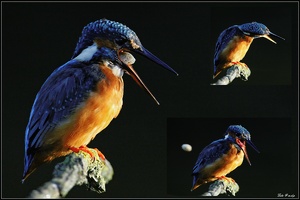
[63, 91]
[222, 42]
[209, 154]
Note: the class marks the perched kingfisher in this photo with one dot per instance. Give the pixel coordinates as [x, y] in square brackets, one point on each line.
[80, 98]
[234, 42]
[222, 156]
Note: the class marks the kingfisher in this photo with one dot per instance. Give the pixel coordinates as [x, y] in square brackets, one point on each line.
[234, 42]
[81, 97]
[222, 156]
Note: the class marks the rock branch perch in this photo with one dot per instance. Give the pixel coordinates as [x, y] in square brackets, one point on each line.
[239, 70]
[222, 186]
[76, 169]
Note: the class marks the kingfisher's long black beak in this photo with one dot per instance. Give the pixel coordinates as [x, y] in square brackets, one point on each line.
[144, 52]
[252, 145]
[273, 34]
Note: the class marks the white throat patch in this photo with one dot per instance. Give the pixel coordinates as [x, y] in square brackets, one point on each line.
[87, 54]
[117, 71]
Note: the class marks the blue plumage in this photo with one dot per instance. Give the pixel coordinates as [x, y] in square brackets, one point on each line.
[254, 28]
[238, 130]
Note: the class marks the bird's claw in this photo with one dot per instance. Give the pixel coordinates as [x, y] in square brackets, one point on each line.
[87, 150]
[226, 179]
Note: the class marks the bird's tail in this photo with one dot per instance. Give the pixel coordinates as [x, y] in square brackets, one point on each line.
[195, 182]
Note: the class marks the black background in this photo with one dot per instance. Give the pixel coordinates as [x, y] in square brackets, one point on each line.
[144, 143]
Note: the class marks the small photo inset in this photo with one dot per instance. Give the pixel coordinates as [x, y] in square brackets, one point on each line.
[223, 157]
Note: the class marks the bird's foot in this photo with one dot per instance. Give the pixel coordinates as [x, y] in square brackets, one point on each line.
[87, 150]
[227, 179]
[234, 63]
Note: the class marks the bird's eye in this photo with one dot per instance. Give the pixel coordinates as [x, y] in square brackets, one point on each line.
[120, 41]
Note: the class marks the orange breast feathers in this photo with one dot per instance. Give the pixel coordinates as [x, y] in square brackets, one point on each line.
[236, 48]
[92, 116]
[225, 164]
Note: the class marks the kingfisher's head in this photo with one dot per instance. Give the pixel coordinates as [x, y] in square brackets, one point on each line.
[106, 33]
[257, 30]
[240, 136]
[119, 38]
